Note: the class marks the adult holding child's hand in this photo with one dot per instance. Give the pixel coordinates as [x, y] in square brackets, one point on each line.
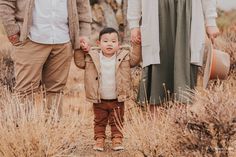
[84, 43]
[136, 35]
[45, 37]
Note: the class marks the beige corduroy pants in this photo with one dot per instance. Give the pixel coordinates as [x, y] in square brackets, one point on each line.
[44, 65]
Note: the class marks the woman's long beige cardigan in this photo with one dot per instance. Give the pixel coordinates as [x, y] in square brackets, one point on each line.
[203, 14]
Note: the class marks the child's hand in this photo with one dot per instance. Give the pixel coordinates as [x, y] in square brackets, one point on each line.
[85, 47]
[136, 35]
[84, 44]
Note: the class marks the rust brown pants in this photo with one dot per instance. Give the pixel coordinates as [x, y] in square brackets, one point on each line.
[110, 111]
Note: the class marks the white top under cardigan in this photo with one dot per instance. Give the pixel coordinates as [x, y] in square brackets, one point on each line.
[203, 14]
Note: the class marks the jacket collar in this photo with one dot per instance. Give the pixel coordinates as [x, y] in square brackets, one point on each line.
[96, 59]
[94, 53]
[120, 56]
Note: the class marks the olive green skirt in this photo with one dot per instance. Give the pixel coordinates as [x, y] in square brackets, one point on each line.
[170, 79]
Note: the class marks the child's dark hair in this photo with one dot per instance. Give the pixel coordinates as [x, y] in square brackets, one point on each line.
[108, 30]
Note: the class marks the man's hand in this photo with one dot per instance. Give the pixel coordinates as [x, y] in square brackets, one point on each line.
[14, 39]
[212, 32]
[84, 43]
[136, 36]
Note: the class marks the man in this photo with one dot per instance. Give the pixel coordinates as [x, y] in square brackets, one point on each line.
[44, 34]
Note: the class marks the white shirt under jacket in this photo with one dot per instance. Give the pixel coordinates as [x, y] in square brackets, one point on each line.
[108, 77]
[50, 22]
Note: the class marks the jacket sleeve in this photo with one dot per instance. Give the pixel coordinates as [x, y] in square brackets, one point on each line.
[135, 55]
[210, 13]
[134, 13]
[85, 17]
[79, 59]
[7, 16]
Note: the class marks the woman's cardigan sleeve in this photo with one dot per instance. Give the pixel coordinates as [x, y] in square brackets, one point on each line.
[134, 13]
[210, 12]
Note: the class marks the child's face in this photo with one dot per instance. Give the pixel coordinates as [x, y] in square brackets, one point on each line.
[109, 44]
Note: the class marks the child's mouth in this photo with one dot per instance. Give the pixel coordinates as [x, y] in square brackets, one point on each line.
[109, 49]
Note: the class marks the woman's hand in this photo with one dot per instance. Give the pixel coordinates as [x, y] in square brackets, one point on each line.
[136, 36]
[212, 32]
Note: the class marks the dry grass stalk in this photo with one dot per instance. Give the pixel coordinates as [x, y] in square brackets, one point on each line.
[227, 43]
[211, 121]
[26, 131]
[152, 134]
[6, 64]
[204, 128]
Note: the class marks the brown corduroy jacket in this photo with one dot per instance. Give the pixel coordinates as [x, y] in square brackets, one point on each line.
[16, 16]
[126, 58]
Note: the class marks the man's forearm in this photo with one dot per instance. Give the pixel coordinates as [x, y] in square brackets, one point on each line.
[85, 17]
[85, 29]
[7, 14]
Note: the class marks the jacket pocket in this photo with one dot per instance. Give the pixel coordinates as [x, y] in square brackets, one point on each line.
[91, 86]
[91, 80]
[124, 79]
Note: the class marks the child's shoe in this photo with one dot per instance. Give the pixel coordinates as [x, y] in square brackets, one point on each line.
[99, 145]
[117, 144]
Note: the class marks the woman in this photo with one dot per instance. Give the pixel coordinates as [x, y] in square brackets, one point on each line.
[172, 33]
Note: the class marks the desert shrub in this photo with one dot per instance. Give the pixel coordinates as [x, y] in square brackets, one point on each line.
[25, 130]
[227, 43]
[153, 134]
[211, 121]
[225, 19]
[204, 128]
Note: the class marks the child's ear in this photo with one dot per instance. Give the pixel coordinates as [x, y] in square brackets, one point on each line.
[119, 45]
[97, 42]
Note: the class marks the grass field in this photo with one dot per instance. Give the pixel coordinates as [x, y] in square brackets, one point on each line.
[205, 128]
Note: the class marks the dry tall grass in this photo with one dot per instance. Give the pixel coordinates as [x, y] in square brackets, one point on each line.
[212, 121]
[152, 135]
[207, 127]
[6, 64]
[25, 130]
